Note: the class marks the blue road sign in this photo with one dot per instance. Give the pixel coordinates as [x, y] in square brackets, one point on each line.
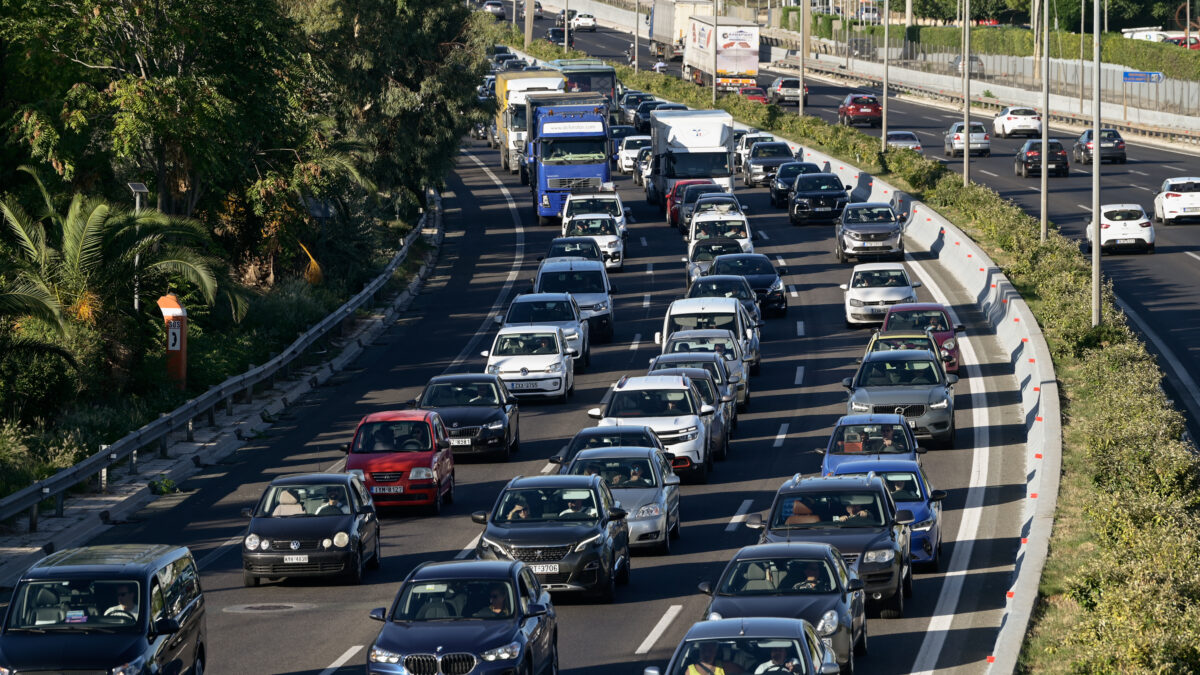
[1142, 76]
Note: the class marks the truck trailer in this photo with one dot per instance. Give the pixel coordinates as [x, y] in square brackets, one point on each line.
[736, 52]
[669, 25]
[689, 144]
[510, 126]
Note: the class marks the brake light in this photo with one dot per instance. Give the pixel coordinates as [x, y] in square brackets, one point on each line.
[1008, 118]
[1089, 144]
[1037, 118]
[986, 136]
[1120, 144]
[1144, 223]
[1033, 153]
[1171, 194]
[958, 137]
[918, 148]
[1104, 226]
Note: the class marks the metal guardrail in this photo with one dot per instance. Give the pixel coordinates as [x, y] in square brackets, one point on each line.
[205, 405]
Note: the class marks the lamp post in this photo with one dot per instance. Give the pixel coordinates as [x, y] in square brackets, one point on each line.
[886, 49]
[805, 20]
[966, 84]
[138, 189]
[715, 37]
[1045, 112]
[637, 31]
[1096, 163]
[567, 25]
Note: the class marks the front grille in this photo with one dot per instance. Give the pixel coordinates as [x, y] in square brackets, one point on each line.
[387, 476]
[538, 554]
[421, 664]
[851, 559]
[573, 183]
[915, 410]
[879, 303]
[875, 236]
[284, 569]
[286, 545]
[464, 432]
[459, 663]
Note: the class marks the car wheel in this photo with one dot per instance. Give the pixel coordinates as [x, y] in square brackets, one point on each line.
[861, 646]
[516, 442]
[664, 548]
[249, 580]
[564, 397]
[545, 221]
[947, 441]
[755, 370]
[623, 574]
[450, 490]
[435, 509]
[354, 575]
[894, 609]
[841, 255]
[1150, 249]
[908, 583]
[377, 555]
[1024, 171]
[198, 664]
[724, 449]
[792, 219]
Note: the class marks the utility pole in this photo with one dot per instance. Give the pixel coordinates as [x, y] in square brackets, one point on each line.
[887, 22]
[529, 23]
[1082, 14]
[1096, 163]
[637, 31]
[1045, 112]
[966, 82]
[715, 38]
[805, 27]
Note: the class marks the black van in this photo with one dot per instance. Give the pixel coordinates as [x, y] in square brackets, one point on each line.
[126, 608]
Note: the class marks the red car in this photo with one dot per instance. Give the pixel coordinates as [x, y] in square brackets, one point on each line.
[860, 108]
[754, 94]
[1194, 43]
[675, 197]
[404, 458]
[927, 316]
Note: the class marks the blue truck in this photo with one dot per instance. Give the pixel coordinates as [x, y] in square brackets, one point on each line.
[567, 148]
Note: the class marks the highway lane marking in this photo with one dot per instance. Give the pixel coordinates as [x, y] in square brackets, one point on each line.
[1143, 187]
[799, 329]
[644, 242]
[548, 468]
[1197, 257]
[637, 339]
[461, 555]
[659, 628]
[1085, 208]
[740, 516]
[783, 429]
[1185, 378]
[792, 291]
[341, 660]
[1140, 173]
[763, 235]
[1037, 190]
[782, 264]
[646, 300]
[650, 268]
[799, 375]
[212, 556]
[989, 173]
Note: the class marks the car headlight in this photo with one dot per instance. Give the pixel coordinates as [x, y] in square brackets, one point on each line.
[359, 473]
[689, 434]
[421, 473]
[493, 370]
[714, 616]
[489, 545]
[613, 244]
[379, 655]
[495, 425]
[508, 652]
[555, 367]
[341, 539]
[911, 298]
[777, 287]
[586, 542]
[950, 344]
[134, 667]
[326, 543]
[851, 234]
[649, 511]
[600, 307]
[252, 541]
[923, 526]
[828, 624]
[546, 201]
[883, 555]
[858, 406]
[855, 302]
[940, 405]
[264, 544]
[800, 201]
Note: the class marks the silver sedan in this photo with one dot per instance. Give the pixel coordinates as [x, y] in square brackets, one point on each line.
[642, 481]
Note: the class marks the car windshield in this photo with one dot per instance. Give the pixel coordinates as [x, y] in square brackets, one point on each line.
[716, 206]
[608, 439]
[647, 106]
[76, 605]
[789, 171]
[819, 184]
[749, 141]
[1183, 187]
[574, 281]
[525, 344]
[531, 505]
[879, 279]
[688, 344]
[581, 249]
[869, 439]
[770, 150]
[455, 600]
[454, 394]
[868, 214]
[603, 83]
[884, 344]
[573, 150]
[634, 100]
[718, 320]
[863, 100]
[696, 165]
[692, 192]
[742, 266]
[626, 473]
[650, 403]
[398, 436]
[711, 229]
[828, 509]
[312, 501]
[540, 311]
[591, 227]
[705, 252]
[634, 143]
[902, 137]
[918, 319]
[1023, 112]
[899, 373]
[902, 484]
[976, 128]
[593, 205]
[777, 576]
[741, 655]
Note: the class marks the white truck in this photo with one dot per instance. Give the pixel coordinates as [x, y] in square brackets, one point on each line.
[669, 24]
[736, 52]
[689, 144]
[512, 90]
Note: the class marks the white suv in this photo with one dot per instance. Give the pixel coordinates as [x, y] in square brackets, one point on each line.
[671, 406]
[552, 309]
[606, 201]
[602, 229]
[587, 282]
[873, 288]
[533, 361]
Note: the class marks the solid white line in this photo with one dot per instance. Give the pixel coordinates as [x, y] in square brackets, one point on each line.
[646, 300]
[783, 429]
[341, 660]
[739, 517]
[799, 329]
[469, 549]
[799, 375]
[763, 235]
[792, 291]
[644, 242]
[1197, 257]
[1140, 173]
[659, 628]
[1037, 190]
[1083, 171]
[337, 466]
[637, 339]
[989, 173]
[211, 557]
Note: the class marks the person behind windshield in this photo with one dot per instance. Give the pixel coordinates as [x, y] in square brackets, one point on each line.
[575, 508]
[707, 664]
[519, 511]
[855, 513]
[126, 602]
[544, 345]
[779, 662]
[497, 604]
[333, 504]
[885, 443]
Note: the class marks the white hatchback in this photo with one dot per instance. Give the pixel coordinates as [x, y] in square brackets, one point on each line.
[873, 288]
[533, 361]
[1123, 227]
[605, 201]
[714, 224]
[1177, 199]
[584, 22]
[627, 154]
[1017, 119]
[601, 228]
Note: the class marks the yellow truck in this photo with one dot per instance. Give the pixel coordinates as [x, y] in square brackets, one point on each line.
[508, 130]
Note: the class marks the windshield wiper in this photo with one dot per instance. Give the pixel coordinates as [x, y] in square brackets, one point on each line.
[36, 631]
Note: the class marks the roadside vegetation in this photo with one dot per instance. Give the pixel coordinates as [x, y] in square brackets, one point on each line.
[1121, 590]
[285, 146]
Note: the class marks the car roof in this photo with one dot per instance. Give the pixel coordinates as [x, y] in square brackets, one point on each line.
[878, 465]
[652, 382]
[464, 377]
[906, 333]
[718, 197]
[870, 419]
[799, 549]
[396, 416]
[875, 267]
[571, 263]
[554, 480]
[1104, 207]
[615, 452]
[919, 306]
[1183, 179]
[821, 174]
[711, 215]
[703, 305]
[642, 137]
[109, 559]
[869, 204]
[463, 569]
[900, 355]
[509, 330]
[798, 484]
[572, 240]
[748, 627]
[540, 297]
[740, 256]
[311, 479]
[608, 431]
[580, 216]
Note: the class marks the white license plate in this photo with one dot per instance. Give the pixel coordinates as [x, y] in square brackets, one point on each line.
[544, 569]
[823, 208]
[1051, 166]
[1106, 145]
[523, 385]
[387, 489]
[1191, 209]
[460, 441]
[876, 310]
[874, 244]
[1127, 241]
[295, 558]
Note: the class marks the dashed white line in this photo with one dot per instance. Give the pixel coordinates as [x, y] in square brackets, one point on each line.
[1143, 187]
[548, 468]
[1197, 257]
[470, 548]
[646, 300]
[649, 268]
[792, 291]
[1140, 173]
[782, 264]
[799, 375]
[1037, 190]
[341, 660]
[783, 429]
[637, 340]
[739, 517]
[988, 173]
[1083, 171]
[643, 239]
[763, 235]
[799, 329]
[1085, 208]
[659, 628]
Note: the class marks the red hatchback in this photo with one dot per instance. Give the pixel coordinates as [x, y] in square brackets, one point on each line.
[754, 94]
[675, 198]
[860, 108]
[932, 317]
[404, 458]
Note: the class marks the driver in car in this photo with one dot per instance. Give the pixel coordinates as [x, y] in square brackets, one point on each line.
[126, 602]
[779, 662]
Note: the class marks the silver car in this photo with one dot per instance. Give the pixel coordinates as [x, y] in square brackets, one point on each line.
[719, 341]
[909, 382]
[495, 8]
[703, 254]
[953, 142]
[642, 481]
[903, 139]
[869, 230]
[721, 427]
[716, 366]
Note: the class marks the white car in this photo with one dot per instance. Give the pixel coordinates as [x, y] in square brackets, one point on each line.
[627, 154]
[1178, 198]
[671, 406]
[605, 201]
[1017, 119]
[587, 282]
[981, 141]
[601, 228]
[533, 361]
[745, 143]
[873, 288]
[584, 22]
[552, 309]
[719, 314]
[1123, 227]
[714, 224]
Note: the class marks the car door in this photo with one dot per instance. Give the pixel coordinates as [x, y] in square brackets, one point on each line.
[512, 408]
[934, 507]
[443, 459]
[616, 529]
[191, 609]
[568, 369]
[670, 489]
[538, 630]
[855, 600]
[171, 655]
[366, 506]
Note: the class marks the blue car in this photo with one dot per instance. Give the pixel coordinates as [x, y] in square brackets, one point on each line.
[858, 437]
[911, 490]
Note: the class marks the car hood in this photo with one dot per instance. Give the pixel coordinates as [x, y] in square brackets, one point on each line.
[387, 461]
[761, 280]
[633, 499]
[655, 423]
[553, 533]
[920, 510]
[304, 527]
[806, 606]
[446, 637]
[812, 194]
[565, 325]
[854, 540]
[769, 161]
[871, 228]
[467, 415]
[893, 293]
[587, 300]
[54, 651]
[883, 395]
[532, 362]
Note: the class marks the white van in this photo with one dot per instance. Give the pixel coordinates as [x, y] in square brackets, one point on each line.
[714, 225]
[715, 313]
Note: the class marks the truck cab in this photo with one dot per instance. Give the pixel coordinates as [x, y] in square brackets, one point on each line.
[689, 145]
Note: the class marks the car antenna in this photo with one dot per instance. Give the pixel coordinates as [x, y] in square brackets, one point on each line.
[742, 628]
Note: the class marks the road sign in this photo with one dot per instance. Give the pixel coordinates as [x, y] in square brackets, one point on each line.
[1143, 76]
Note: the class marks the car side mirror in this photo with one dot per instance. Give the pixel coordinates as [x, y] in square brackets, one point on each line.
[904, 517]
[951, 380]
[915, 284]
[727, 399]
[684, 259]
[617, 514]
[754, 521]
[166, 627]
[707, 410]
[536, 609]
[848, 383]
[830, 668]
[247, 512]
[499, 320]
[651, 670]
[937, 495]
[855, 585]
[658, 337]
[733, 379]
[920, 450]
[671, 479]
[416, 402]
[595, 414]
[902, 217]
[479, 517]
[485, 353]
[613, 289]
[843, 287]
[378, 614]
[557, 459]
[705, 587]
[627, 210]
[760, 324]
[959, 328]
[571, 351]
[344, 447]
[746, 209]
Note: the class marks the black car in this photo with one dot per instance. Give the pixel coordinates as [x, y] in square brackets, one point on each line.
[797, 581]
[818, 197]
[555, 36]
[857, 516]
[568, 529]
[630, 102]
[691, 194]
[88, 610]
[316, 524]
[641, 116]
[1029, 159]
[590, 438]
[483, 618]
[580, 247]
[763, 161]
[785, 181]
[762, 276]
[713, 285]
[869, 230]
[1112, 147]
[480, 414]
[755, 645]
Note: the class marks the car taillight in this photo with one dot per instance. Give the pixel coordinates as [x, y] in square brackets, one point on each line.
[1144, 223]
[1089, 144]
[1104, 226]
[1033, 153]
[1171, 194]
[917, 148]
[1120, 144]
[1037, 118]
[958, 137]
[986, 137]
[1009, 117]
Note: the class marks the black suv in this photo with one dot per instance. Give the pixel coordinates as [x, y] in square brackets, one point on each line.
[591, 438]
[857, 516]
[485, 618]
[568, 529]
[1029, 159]
[785, 181]
[817, 198]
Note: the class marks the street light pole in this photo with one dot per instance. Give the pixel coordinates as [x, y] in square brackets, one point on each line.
[637, 31]
[138, 190]
[966, 83]
[567, 25]
[805, 20]
[1045, 112]
[715, 38]
[887, 22]
[1096, 163]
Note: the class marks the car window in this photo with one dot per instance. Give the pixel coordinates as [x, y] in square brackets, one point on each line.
[707, 364]
[1022, 111]
[709, 229]
[530, 505]
[535, 588]
[871, 439]
[884, 344]
[591, 227]
[1109, 135]
[705, 252]
[815, 647]
[717, 206]
[593, 205]
[903, 373]
[742, 266]
[777, 576]
[770, 150]
[901, 136]
[868, 214]
[1120, 215]
[918, 319]
[650, 403]
[77, 605]
[617, 473]
[583, 249]
[453, 394]
[829, 509]
[1183, 186]
[572, 281]
[819, 184]
[706, 320]
[526, 344]
[455, 600]
[687, 345]
[894, 278]
[739, 650]
[307, 500]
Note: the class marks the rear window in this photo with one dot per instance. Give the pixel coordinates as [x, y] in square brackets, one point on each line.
[1121, 215]
[864, 100]
[790, 84]
[1055, 146]
[1022, 111]
[901, 136]
[1109, 135]
[1183, 187]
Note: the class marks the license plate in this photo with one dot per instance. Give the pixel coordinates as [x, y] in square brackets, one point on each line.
[460, 441]
[523, 385]
[387, 489]
[1191, 209]
[1051, 166]
[823, 208]
[295, 558]
[1127, 241]
[876, 310]
[874, 244]
[544, 569]
[1106, 145]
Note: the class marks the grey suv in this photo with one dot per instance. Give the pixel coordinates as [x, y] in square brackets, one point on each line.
[869, 230]
[786, 90]
[909, 382]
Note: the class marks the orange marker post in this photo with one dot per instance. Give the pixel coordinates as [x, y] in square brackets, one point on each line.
[176, 318]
